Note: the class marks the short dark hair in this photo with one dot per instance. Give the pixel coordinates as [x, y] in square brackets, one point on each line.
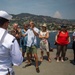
[63, 26]
[2, 21]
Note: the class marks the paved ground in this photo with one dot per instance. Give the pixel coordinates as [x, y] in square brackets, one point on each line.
[46, 68]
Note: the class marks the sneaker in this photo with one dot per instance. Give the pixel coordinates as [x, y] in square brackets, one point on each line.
[49, 60]
[37, 70]
[62, 60]
[57, 60]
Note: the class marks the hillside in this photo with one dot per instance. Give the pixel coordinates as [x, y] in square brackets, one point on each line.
[39, 19]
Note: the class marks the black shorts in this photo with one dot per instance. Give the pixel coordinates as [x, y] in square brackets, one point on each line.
[73, 45]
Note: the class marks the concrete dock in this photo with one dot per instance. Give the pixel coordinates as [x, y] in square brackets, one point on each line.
[46, 68]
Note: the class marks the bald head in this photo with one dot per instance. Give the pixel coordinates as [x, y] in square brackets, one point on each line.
[32, 24]
[15, 26]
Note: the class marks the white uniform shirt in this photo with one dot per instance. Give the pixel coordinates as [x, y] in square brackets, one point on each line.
[32, 40]
[9, 53]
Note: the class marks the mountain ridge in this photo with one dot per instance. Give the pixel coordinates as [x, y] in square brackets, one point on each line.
[51, 22]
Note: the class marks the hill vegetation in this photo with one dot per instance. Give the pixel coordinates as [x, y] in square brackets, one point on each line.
[52, 23]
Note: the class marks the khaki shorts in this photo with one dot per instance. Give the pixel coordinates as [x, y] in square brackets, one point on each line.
[31, 49]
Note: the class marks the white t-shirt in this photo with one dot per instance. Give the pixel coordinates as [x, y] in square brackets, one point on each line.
[31, 37]
[74, 35]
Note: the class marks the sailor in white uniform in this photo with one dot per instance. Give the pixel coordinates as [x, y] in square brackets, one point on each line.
[10, 53]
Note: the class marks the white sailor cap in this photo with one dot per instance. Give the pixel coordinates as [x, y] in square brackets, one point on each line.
[5, 15]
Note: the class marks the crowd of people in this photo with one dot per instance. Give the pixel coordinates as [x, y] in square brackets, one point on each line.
[26, 38]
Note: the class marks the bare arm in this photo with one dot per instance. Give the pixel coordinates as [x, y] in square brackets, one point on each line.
[24, 35]
[56, 36]
[35, 33]
[40, 36]
[47, 35]
[44, 37]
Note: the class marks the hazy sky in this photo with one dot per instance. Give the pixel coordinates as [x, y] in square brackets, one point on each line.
[55, 8]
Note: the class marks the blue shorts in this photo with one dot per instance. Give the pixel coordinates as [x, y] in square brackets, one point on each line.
[23, 49]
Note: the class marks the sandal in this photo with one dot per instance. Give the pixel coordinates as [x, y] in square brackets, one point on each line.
[37, 70]
[49, 59]
[28, 65]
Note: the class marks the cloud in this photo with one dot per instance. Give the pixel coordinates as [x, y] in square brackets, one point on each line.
[57, 15]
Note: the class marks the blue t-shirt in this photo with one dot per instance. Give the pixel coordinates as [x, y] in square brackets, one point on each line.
[24, 39]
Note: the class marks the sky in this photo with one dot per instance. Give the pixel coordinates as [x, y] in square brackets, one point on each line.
[63, 9]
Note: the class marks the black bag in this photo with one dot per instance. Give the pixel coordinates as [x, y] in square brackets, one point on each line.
[55, 43]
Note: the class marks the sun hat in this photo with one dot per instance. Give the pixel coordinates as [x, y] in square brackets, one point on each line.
[5, 15]
[44, 25]
[31, 22]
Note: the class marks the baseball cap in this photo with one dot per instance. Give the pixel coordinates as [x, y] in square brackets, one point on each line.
[63, 26]
[5, 15]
